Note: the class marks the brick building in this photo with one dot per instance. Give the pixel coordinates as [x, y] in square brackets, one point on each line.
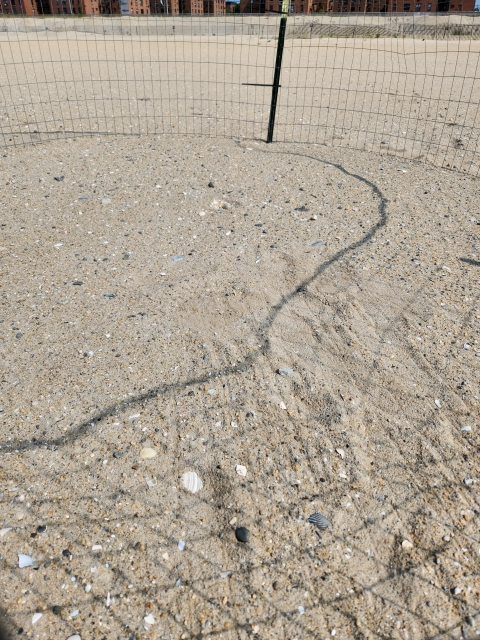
[49, 7]
[358, 6]
[112, 7]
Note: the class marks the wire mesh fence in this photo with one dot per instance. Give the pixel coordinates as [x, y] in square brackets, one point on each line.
[399, 83]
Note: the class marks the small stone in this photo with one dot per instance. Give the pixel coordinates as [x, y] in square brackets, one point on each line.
[149, 619]
[241, 470]
[211, 185]
[41, 528]
[438, 404]
[177, 258]
[59, 178]
[126, 256]
[67, 554]
[117, 454]
[466, 346]
[232, 521]
[57, 610]
[74, 637]
[341, 453]
[18, 335]
[165, 555]
[407, 545]
[181, 545]
[139, 546]
[97, 547]
[106, 201]
[285, 371]
[467, 428]
[301, 610]
[148, 453]
[470, 621]
[77, 283]
[242, 534]
[109, 295]
[88, 588]
[456, 591]
[468, 481]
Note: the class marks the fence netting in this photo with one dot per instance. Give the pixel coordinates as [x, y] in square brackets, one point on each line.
[403, 84]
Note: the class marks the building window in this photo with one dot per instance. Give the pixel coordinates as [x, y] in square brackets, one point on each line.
[406, 7]
[394, 7]
[459, 7]
[429, 7]
[418, 7]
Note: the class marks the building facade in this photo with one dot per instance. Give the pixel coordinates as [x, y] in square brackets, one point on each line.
[358, 6]
[112, 7]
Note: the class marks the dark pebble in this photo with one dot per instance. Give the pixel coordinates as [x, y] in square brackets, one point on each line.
[109, 295]
[242, 534]
[117, 454]
[67, 554]
[126, 256]
[20, 631]
[211, 185]
[77, 282]
[18, 335]
[59, 178]
[191, 393]
[57, 610]
[41, 528]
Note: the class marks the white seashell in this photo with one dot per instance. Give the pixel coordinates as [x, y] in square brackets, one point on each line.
[25, 561]
[4, 531]
[467, 428]
[97, 547]
[181, 545]
[36, 617]
[438, 404]
[341, 453]
[88, 588]
[407, 545]
[74, 637]
[149, 619]
[109, 600]
[148, 453]
[241, 470]
[283, 405]
[192, 482]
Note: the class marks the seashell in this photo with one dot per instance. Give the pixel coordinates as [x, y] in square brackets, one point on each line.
[285, 371]
[4, 531]
[148, 453]
[192, 482]
[149, 619]
[25, 561]
[241, 470]
[319, 521]
[36, 617]
[407, 545]
[74, 637]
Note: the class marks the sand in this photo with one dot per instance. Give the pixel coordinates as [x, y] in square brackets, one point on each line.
[358, 272]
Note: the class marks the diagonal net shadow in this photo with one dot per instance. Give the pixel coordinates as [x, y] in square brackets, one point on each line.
[262, 334]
